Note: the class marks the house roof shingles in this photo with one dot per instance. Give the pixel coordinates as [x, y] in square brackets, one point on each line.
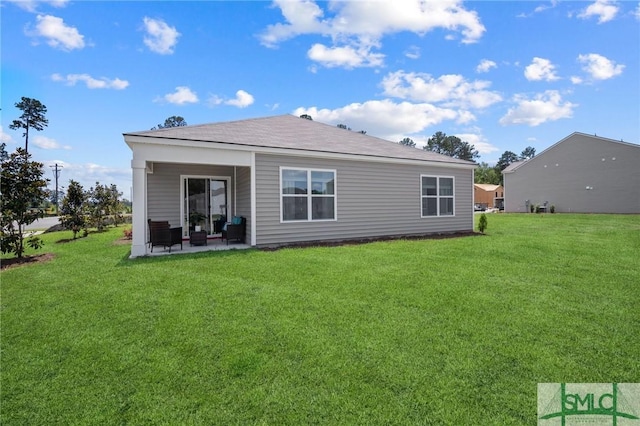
[291, 132]
[511, 167]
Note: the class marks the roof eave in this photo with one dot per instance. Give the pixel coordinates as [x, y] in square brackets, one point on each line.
[133, 138]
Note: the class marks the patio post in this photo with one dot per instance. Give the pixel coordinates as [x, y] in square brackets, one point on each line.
[139, 207]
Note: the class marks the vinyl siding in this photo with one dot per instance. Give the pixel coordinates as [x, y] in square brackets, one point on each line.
[373, 200]
[163, 188]
[243, 197]
[561, 175]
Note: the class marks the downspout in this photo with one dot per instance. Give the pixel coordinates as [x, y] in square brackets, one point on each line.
[473, 199]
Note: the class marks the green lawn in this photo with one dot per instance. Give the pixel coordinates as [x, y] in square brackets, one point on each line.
[450, 331]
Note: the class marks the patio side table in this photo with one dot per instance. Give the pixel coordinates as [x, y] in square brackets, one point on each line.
[198, 238]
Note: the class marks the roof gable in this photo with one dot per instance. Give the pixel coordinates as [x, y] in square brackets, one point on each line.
[487, 186]
[511, 167]
[574, 138]
[288, 132]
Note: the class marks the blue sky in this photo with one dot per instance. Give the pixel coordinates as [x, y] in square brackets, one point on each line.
[501, 75]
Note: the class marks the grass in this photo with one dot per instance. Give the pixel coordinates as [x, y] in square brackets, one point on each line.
[451, 331]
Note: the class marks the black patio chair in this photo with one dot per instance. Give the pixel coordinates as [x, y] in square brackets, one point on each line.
[235, 231]
[161, 234]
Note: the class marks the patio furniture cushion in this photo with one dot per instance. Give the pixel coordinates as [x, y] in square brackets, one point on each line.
[218, 224]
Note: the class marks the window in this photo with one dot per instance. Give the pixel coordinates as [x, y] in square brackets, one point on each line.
[437, 196]
[307, 194]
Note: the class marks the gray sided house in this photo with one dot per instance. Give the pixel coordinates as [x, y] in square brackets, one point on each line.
[295, 181]
[581, 173]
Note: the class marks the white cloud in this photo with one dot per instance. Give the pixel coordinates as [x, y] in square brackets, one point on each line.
[478, 141]
[539, 9]
[637, 12]
[605, 10]
[32, 5]
[160, 37]
[547, 106]
[485, 65]
[465, 117]
[215, 100]
[542, 8]
[90, 82]
[44, 142]
[599, 67]
[413, 52]
[88, 174]
[576, 79]
[355, 27]
[346, 56]
[182, 95]
[5, 137]
[303, 17]
[57, 33]
[540, 69]
[385, 119]
[242, 99]
[451, 89]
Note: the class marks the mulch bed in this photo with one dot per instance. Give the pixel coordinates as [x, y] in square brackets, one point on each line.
[334, 243]
[122, 241]
[27, 260]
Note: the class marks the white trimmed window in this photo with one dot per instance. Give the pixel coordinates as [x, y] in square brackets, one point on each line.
[438, 196]
[307, 195]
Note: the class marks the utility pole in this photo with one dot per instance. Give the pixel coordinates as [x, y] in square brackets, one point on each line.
[56, 173]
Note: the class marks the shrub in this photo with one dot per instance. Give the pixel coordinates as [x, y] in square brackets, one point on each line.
[532, 208]
[552, 209]
[482, 223]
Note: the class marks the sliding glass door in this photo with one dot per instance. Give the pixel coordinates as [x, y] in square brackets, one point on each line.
[205, 202]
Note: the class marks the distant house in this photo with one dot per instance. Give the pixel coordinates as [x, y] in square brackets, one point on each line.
[488, 195]
[581, 173]
[294, 180]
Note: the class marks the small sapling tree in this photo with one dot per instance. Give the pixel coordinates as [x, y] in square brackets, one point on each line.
[24, 191]
[73, 208]
[99, 205]
[482, 223]
[115, 205]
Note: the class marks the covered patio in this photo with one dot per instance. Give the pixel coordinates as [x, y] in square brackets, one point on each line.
[193, 187]
[213, 244]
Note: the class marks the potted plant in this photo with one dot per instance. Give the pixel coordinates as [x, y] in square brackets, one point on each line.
[195, 218]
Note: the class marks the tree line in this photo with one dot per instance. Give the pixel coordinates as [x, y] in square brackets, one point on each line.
[455, 147]
[486, 173]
